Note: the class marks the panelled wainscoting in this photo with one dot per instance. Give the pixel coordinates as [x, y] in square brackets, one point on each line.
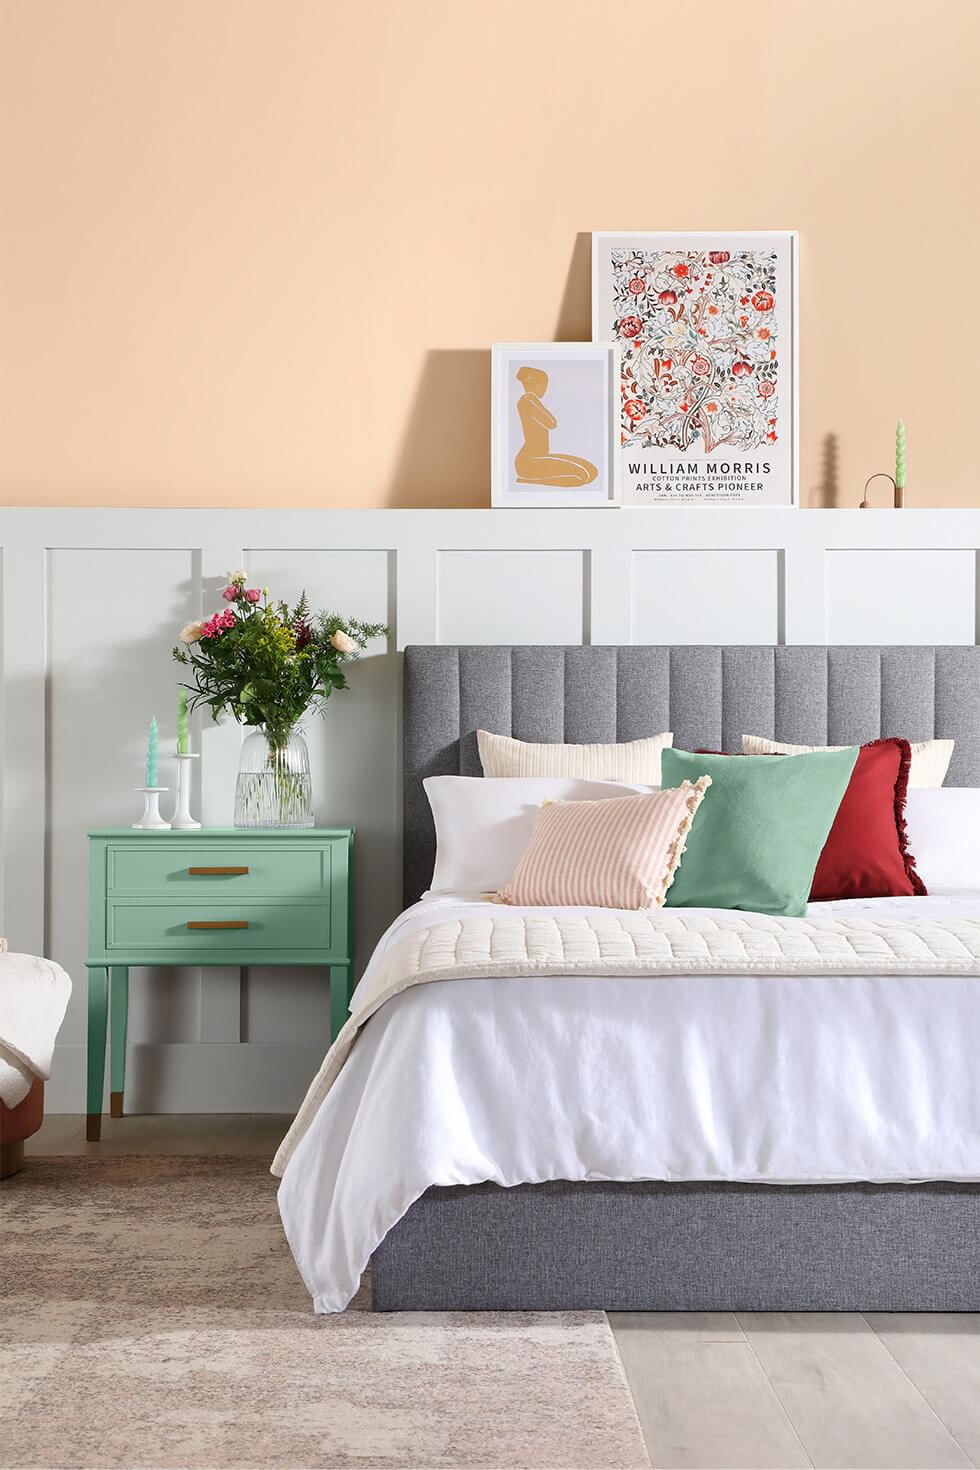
[92, 603]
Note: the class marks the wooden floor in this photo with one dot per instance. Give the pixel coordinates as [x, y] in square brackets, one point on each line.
[715, 1389]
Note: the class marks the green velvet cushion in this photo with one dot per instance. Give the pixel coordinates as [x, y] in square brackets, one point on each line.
[755, 841]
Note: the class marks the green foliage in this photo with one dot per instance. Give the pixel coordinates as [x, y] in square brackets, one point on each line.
[268, 664]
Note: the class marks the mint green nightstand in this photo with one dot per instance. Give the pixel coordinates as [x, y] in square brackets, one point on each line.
[217, 896]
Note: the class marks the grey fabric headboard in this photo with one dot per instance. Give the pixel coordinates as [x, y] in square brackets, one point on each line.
[708, 696]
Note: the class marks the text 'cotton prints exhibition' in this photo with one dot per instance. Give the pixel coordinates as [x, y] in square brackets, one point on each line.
[706, 327]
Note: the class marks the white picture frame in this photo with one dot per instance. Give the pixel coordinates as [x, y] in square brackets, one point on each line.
[704, 419]
[553, 425]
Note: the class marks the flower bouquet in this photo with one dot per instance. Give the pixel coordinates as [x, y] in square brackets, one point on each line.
[268, 664]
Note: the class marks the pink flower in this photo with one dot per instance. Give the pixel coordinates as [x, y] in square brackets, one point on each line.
[218, 624]
[230, 593]
[253, 594]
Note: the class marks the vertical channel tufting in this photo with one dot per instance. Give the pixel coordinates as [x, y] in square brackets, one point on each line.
[799, 695]
[642, 692]
[484, 700]
[853, 695]
[590, 695]
[908, 692]
[696, 697]
[748, 694]
[958, 711]
[707, 695]
[430, 727]
[538, 705]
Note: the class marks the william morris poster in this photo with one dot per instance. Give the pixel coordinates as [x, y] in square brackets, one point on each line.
[706, 327]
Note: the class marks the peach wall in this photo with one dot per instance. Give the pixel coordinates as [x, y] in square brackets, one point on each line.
[253, 251]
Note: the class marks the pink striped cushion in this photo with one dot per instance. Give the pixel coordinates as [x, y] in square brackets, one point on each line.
[618, 854]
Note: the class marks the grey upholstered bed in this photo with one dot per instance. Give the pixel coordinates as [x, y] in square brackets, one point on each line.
[689, 1246]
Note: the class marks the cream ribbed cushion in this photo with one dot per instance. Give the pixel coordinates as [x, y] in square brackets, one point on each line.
[636, 761]
[930, 758]
[618, 854]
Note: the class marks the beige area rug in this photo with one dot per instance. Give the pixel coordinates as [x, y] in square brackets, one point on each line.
[152, 1316]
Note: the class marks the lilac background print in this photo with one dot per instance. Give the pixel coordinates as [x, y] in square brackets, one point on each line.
[578, 398]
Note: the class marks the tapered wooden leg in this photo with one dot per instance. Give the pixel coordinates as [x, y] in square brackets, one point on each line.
[98, 1016]
[339, 998]
[118, 1020]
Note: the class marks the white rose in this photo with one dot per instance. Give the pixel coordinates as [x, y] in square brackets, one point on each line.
[192, 633]
[343, 642]
[238, 576]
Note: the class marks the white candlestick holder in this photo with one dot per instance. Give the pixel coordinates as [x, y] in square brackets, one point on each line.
[151, 819]
[182, 818]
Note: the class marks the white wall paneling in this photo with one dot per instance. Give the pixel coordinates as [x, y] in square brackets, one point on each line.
[92, 601]
[706, 596]
[125, 604]
[920, 596]
[520, 596]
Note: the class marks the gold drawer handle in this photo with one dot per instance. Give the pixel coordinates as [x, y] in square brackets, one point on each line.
[203, 872]
[218, 924]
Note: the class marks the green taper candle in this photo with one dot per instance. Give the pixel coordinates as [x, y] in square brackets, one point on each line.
[151, 753]
[900, 455]
[181, 721]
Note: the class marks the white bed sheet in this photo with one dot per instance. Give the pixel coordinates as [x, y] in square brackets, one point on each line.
[761, 1079]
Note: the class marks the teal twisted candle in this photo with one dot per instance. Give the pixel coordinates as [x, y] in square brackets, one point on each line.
[182, 741]
[900, 455]
[152, 746]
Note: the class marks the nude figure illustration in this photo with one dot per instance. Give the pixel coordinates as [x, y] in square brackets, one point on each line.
[534, 462]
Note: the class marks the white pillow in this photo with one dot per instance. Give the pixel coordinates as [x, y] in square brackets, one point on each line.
[944, 837]
[930, 758]
[630, 760]
[483, 825]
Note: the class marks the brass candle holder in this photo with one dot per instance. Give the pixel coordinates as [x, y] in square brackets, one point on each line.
[898, 489]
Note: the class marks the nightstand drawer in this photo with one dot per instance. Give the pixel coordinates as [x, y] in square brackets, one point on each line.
[199, 870]
[217, 926]
[220, 898]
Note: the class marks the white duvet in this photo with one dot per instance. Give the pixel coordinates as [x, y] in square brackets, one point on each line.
[761, 1078]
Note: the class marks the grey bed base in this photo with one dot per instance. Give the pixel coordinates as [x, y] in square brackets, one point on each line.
[689, 1246]
[684, 1248]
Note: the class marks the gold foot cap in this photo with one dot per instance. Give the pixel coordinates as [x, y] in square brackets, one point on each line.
[93, 1127]
[115, 1104]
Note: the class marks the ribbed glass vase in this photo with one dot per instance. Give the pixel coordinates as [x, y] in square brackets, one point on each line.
[274, 787]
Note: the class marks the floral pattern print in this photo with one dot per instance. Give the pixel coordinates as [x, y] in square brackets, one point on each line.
[698, 334]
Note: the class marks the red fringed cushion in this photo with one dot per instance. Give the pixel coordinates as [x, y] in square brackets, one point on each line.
[866, 854]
